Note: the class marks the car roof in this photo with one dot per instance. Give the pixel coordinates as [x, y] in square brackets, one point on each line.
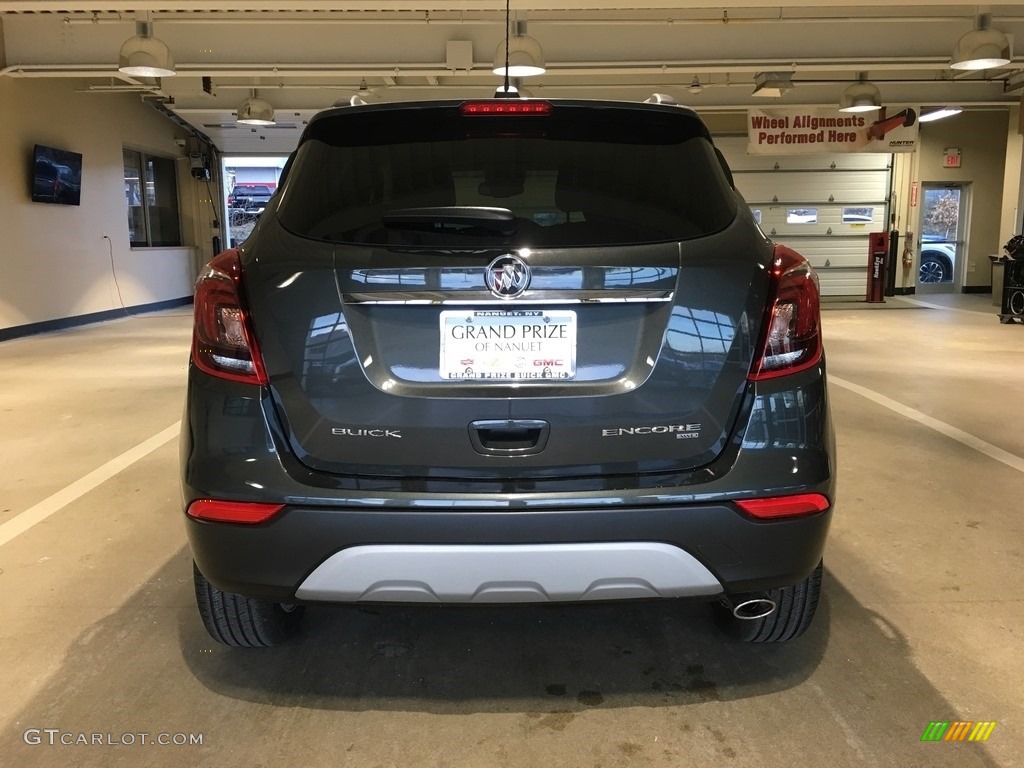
[660, 107]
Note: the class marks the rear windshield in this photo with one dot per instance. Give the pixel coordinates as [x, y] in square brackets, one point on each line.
[582, 176]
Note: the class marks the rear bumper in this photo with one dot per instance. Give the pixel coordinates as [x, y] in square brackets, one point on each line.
[713, 545]
[232, 448]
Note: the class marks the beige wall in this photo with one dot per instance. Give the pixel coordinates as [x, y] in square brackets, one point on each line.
[1013, 178]
[54, 260]
[981, 137]
[724, 124]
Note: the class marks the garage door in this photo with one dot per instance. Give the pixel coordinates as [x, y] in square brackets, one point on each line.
[823, 206]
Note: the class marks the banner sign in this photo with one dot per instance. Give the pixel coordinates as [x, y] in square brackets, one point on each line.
[811, 130]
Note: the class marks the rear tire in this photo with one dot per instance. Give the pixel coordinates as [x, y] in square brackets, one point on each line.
[244, 622]
[791, 618]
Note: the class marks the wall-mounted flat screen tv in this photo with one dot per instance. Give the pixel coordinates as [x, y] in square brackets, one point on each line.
[57, 176]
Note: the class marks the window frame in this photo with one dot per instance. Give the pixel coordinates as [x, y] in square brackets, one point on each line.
[144, 159]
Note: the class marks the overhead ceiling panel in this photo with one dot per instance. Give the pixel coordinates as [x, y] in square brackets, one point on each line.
[304, 56]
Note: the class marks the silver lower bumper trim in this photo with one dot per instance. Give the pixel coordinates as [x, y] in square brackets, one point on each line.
[476, 573]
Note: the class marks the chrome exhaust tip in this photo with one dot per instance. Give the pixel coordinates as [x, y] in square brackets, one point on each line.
[753, 608]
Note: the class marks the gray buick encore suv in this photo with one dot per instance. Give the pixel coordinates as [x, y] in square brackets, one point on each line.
[506, 350]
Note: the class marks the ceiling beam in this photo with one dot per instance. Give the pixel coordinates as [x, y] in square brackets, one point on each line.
[278, 70]
[263, 6]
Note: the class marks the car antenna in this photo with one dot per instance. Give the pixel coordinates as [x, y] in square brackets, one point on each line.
[508, 23]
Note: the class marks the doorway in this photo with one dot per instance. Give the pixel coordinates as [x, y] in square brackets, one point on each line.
[249, 183]
[943, 248]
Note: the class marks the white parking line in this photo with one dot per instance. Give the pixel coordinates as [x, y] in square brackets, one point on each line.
[48, 506]
[992, 451]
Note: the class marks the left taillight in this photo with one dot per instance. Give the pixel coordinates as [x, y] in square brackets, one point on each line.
[791, 339]
[223, 344]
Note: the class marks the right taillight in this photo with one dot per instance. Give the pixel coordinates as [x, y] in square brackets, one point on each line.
[776, 507]
[791, 339]
[223, 344]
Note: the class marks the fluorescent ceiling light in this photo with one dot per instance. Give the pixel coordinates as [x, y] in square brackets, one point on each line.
[772, 85]
[938, 113]
[861, 96]
[143, 55]
[982, 47]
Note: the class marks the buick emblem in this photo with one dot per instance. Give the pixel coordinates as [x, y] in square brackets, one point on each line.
[507, 277]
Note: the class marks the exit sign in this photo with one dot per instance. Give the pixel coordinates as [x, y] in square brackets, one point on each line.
[951, 157]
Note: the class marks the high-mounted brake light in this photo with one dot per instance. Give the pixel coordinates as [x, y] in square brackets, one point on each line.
[249, 512]
[784, 506]
[505, 107]
[223, 344]
[791, 339]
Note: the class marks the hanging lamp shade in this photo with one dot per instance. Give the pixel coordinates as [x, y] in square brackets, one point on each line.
[525, 56]
[861, 96]
[981, 48]
[255, 111]
[143, 55]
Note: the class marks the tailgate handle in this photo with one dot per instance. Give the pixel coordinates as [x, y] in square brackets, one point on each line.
[509, 437]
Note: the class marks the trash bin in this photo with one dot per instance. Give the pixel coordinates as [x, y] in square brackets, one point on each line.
[997, 279]
[878, 255]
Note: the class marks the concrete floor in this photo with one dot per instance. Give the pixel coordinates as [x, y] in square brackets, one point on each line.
[921, 617]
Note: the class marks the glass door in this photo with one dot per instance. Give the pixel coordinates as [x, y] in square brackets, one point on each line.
[941, 245]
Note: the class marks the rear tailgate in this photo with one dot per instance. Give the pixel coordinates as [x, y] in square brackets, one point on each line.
[625, 343]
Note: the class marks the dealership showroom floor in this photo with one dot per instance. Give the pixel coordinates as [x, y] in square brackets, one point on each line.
[921, 618]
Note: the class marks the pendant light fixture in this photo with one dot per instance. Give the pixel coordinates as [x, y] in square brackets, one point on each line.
[861, 96]
[519, 55]
[255, 111]
[143, 55]
[981, 48]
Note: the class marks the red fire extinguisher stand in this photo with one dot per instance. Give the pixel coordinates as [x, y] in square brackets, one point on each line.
[878, 254]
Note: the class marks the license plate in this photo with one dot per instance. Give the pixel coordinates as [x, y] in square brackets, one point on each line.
[510, 345]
